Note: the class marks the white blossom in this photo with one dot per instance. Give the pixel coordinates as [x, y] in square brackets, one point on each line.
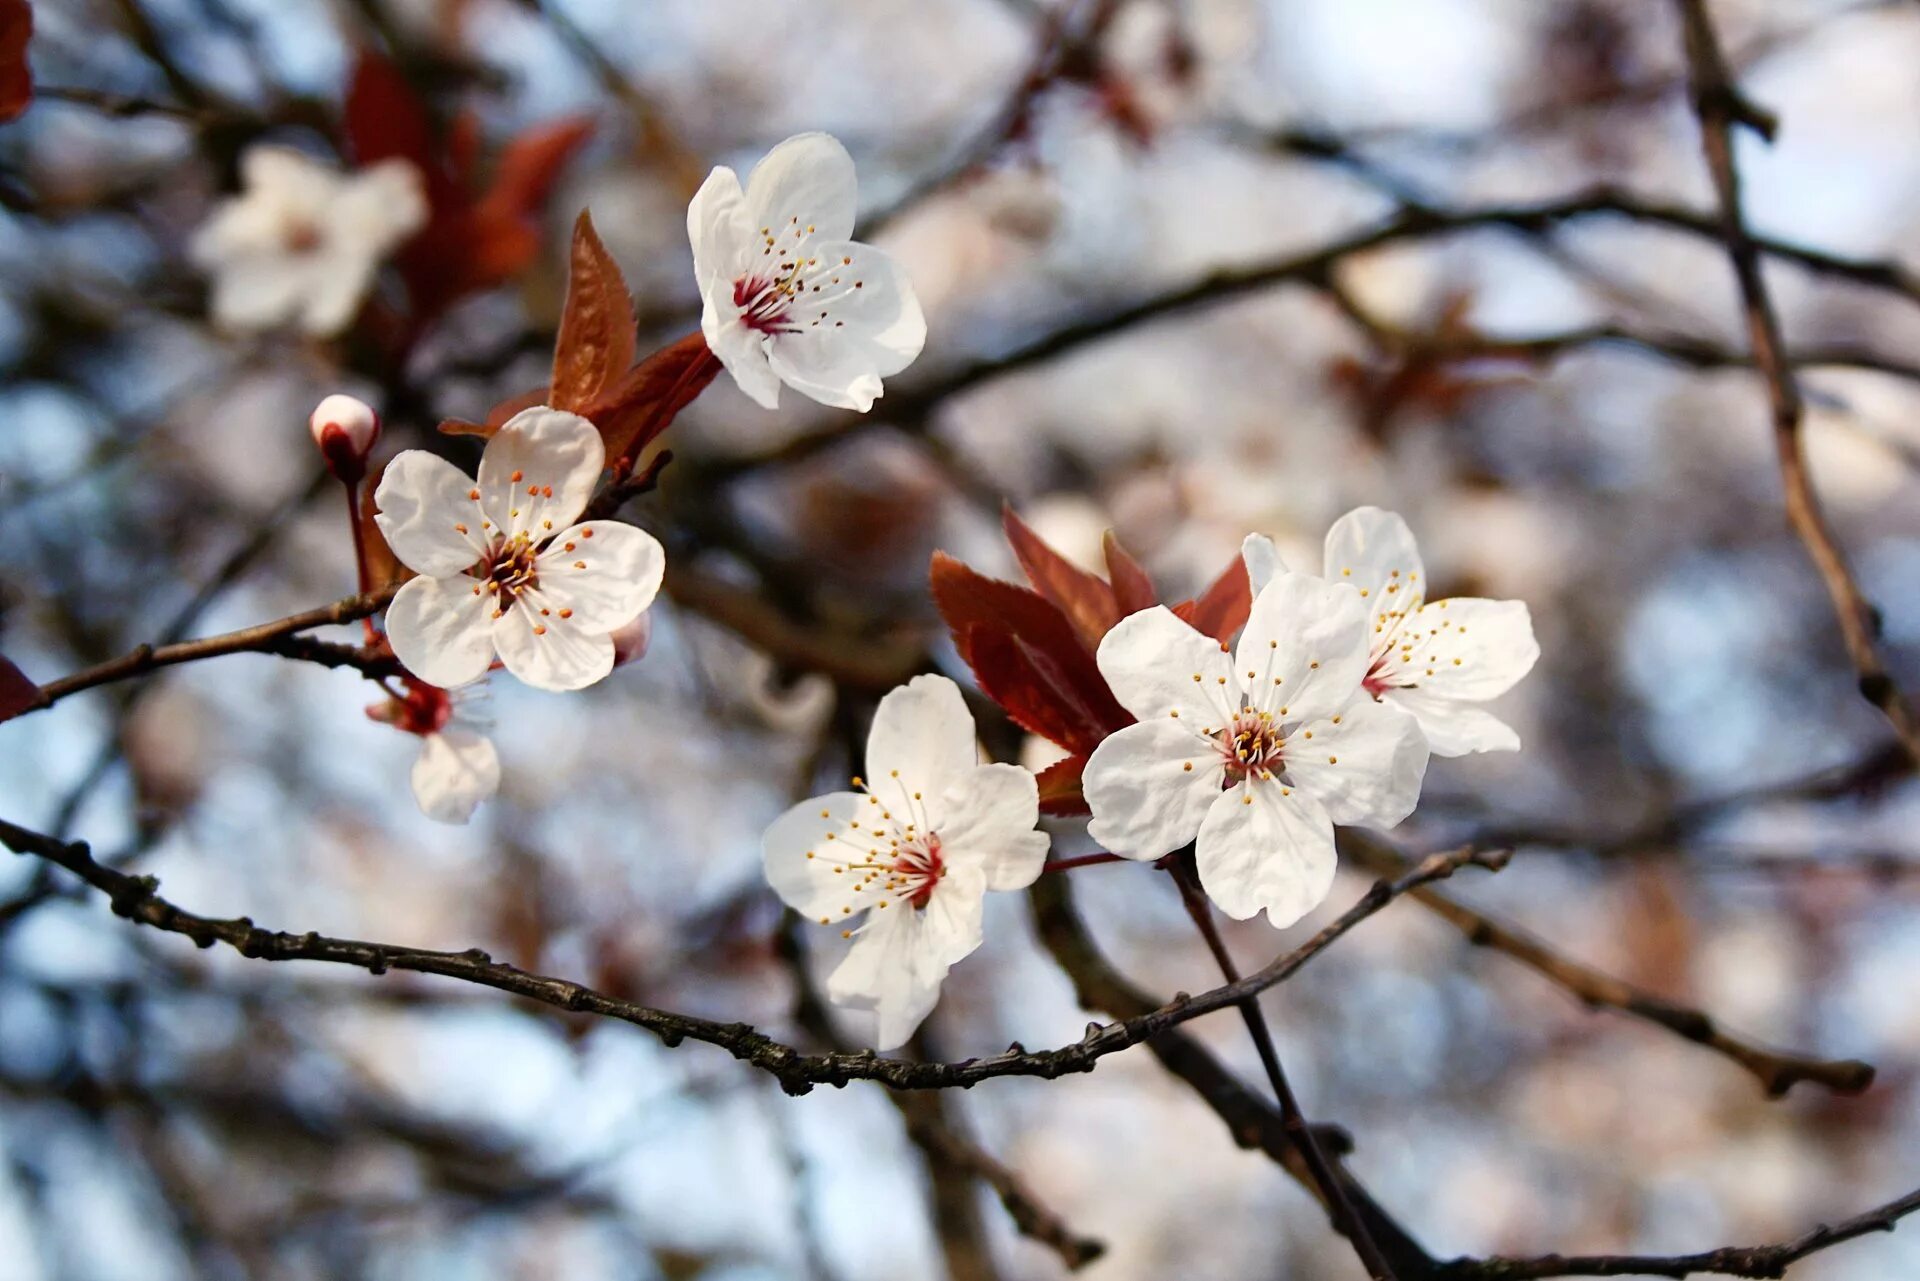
[1431, 659]
[1253, 754]
[787, 296]
[301, 243]
[458, 767]
[503, 569]
[914, 852]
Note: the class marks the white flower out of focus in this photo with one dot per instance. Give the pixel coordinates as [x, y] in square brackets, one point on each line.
[1254, 754]
[301, 243]
[458, 767]
[787, 297]
[503, 569]
[914, 853]
[1431, 659]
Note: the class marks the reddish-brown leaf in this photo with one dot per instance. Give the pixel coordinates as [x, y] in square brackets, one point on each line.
[496, 417]
[1222, 609]
[1026, 656]
[383, 567]
[635, 409]
[1132, 589]
[18, 695]
[530, 165]
[1087, 602]
[595, 344]
[385, 119]
[16, 81]
[1060, 793]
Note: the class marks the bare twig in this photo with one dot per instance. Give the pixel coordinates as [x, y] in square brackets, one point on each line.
[1777, 1071]
[1720, 106]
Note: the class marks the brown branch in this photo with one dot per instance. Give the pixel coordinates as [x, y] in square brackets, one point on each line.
[138, 899]
[1737, 1261]
[1720, 106]
[1776, 1071]
[263, 638]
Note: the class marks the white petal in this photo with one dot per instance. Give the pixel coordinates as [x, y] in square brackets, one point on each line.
[333, 292]
[1466, 648]
[859, 321]
[1274, 853]
[922, 740]
[901, 955]
[799, 859]
[1145, 799]
[547, 651]
[423, 500]
[1374, 551]
[292, 179]
[547, 450]
[742, 350]
[1156, 665]
[988, 823]
[604, 571]
[719, 230]
[1453, 728]
[808, 177]
[1306, 644]
[1262, 560]
[379, 208]
[440, 630]
[1364, 764]
[456, 770]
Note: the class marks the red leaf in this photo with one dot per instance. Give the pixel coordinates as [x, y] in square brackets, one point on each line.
[1086, 601]
[595, 343]
[1132, 589]
[496, 417]
[18, 695]
[1026, 656]
[1060, 793]
[1222, 609]
[642, 404]
[385, 120]
[16, 81]
[530, 165]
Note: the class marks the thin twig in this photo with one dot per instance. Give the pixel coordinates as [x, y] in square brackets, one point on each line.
[1720, 106]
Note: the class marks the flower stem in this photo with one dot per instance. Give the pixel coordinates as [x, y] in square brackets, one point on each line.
[1292, 1119]
[1082, 860]
[363, 571]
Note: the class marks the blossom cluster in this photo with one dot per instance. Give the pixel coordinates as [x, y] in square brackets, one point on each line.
[1242, 725]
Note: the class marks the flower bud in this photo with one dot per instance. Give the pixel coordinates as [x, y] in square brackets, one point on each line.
[345, 429]
[631, 638]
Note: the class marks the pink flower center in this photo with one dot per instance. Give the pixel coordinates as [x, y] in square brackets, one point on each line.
[1251, 747]
[917, 869]
[790, 289]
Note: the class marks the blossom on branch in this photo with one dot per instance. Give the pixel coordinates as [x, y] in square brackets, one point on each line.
[1430, 659]
[787, 297]
[503, 568]
[1254, 754]
[302, 242]
[457, 767]
[915, 850]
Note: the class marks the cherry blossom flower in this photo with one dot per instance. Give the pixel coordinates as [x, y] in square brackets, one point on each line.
[915, 850]
[1254, 754]
[502, 567]
[1431, 659]
[787, 296]
[301, 244]
[457, 767]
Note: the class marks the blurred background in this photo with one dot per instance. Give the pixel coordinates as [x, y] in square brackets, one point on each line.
[1703, 808]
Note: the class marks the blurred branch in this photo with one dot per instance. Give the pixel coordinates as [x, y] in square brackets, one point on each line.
[137, 898]
[1737, 1261]
[1720, 106]
[1776, 1071]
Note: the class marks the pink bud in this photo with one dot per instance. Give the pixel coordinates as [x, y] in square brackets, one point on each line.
[345, 429]
[631, 638]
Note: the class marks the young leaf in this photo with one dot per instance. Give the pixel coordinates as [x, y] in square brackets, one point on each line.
[16, 81]
[18, 695]
[639, 406]
[1132, 589]
[496, 417]
[1087, 602]
[1222, 609]
[531, 164]
[595, 344]
[1060, 793]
